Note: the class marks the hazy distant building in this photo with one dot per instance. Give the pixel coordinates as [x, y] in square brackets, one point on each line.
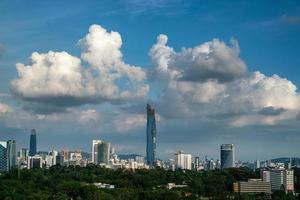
[11, 154]
[103, 153]
[227, 156]
[197, 162]
[183, 161]
[95, 144]
[59, 159]
[151, 135]
[3, 156]
[256, 164]
[32, 148]
[65, 154]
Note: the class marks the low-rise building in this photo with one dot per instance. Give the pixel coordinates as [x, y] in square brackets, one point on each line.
[252, 186]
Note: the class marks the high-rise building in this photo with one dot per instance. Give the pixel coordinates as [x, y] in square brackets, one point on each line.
[183, 161]
[227, 156]
[66, 155]
[103, 153]
[95, 144]
[256, 164]
[279, 178]
[24, 154]
[197, 162]
[3, 156]
[35, 162]
[11, 154]
[32, 148]
[151, 135]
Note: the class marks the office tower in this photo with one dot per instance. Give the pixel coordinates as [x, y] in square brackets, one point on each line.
[3, 156]
[256, 164]
[103, 153]
[24, 153]
[197, 162]
[279, 177]
[151, 136]
[35, 162]
[288, 180]
[95, 144]
[11, 154]
[183, 161]
[59, 159]
[65, 154]
[32, 148]
[227, 156]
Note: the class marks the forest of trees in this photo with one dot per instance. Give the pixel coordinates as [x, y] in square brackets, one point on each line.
[73, 183]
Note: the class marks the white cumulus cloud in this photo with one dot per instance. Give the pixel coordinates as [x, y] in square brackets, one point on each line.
[59, 79]
[212, 81]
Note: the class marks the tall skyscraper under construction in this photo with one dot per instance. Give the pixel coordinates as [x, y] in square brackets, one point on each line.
[151, 135]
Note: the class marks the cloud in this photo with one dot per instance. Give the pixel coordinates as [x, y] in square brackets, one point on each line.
[88, 116]
[4, 108]
[59, 79]
[211, 82]
[290, 19]
[212, 60]
[128, 122]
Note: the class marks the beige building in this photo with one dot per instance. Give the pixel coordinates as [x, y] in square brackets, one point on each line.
[252, 186]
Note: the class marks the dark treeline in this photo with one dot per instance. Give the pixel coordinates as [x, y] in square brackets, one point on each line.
[73, 183]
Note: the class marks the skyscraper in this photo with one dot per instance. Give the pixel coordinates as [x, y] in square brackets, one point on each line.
[3, 156]
[32, 149]
[151, 136]
[103, 153]
[11, 154]
[95, 144]
[227, 156]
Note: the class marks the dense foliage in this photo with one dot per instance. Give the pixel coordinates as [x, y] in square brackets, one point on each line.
[73, 183]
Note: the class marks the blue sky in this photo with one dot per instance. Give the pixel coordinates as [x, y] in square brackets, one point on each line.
[268, 36]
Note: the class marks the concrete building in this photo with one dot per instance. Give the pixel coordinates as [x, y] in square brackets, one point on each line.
[252, 186]
[103, 153]
[35, 162]
[183, 161]
[279, 179]
[227, 156]
[95, 144]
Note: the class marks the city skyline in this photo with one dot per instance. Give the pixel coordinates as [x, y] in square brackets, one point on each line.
[214, 76]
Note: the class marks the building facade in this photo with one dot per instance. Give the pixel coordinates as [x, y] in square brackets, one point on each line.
[95, 144]
[11, 154]
[151, 136]
[3, 156]
[279, 179]
[227, 156]
[183, 161]
[103, 153]
[252, 186]
[32, 148]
